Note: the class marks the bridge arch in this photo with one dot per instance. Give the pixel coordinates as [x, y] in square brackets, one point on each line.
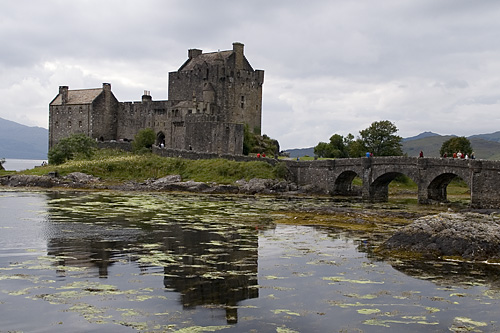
[379, 188]
[436, 188]
[343, 184]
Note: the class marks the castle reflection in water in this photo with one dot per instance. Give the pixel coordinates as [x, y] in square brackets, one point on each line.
[208, 263]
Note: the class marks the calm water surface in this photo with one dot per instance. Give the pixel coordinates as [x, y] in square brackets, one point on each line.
[107, 262]
[12, 164]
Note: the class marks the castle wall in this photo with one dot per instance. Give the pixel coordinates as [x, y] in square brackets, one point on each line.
[210, 98]
[245, 99]
[104, 116]
[65, 120]
[208, 134]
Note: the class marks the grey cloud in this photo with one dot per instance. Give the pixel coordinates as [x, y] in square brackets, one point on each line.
[444, 53]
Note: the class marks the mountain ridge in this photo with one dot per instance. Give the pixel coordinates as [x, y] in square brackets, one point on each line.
[19, 141]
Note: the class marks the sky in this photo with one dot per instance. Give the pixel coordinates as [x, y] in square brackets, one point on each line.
[331, 66]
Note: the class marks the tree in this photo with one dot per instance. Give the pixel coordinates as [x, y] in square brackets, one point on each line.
[323, 149]
[455, 145]
[336, 148]
[356, 148]
[143, 140]
[380, 139]
[73, 146]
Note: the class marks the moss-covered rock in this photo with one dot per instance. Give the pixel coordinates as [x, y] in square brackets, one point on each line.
[470, 236]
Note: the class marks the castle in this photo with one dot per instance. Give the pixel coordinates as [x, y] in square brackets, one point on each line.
[211, 97]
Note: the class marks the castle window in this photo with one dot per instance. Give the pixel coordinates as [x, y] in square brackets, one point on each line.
[69, 123]
[57, 124]
[80, 123]
[242, 104]
[81, 110]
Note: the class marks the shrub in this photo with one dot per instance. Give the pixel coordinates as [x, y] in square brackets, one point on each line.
[73, 146]
[144, 139]
[280, 170]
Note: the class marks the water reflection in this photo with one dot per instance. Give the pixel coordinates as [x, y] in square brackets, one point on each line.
[450, 273]
[165, 262]
[208, 262]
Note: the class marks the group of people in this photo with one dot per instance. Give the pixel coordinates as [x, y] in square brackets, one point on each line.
[460, 155]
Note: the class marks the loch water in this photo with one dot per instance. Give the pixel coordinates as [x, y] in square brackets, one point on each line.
[163, 262]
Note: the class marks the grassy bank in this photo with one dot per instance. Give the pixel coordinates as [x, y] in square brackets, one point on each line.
[117, 166]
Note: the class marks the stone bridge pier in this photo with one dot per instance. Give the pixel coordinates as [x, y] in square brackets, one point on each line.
[432, 176]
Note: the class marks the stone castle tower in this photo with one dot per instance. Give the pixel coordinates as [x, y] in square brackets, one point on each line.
[212, 96]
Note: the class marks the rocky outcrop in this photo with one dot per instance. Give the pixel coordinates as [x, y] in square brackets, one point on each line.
[167, 183]
[28, 181]
[471, 236]
[73, 180]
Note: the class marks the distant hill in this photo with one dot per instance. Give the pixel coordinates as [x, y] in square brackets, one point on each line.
[485, 146]
[22, 142]
[294, 153]
[490, 137]
[422, 135]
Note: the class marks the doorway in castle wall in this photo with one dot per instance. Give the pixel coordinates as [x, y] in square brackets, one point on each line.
[160, 139]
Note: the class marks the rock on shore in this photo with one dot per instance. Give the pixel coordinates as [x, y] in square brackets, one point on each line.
[167, 183]
[471, 236]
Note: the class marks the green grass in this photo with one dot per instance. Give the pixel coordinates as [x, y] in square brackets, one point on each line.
[117, 166]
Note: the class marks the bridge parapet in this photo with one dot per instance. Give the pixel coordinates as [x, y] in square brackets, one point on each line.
[432, 176]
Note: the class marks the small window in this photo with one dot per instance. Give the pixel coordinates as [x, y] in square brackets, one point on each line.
[69, 123]
[80, 123]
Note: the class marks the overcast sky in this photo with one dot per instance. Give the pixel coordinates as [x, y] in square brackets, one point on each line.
[330, 66]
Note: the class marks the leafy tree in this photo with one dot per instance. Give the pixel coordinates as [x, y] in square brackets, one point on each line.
[73, 146]
[455, 145]
[356, 148]
[143, 140]
[323, 149]
[336, 148]
[380, 139]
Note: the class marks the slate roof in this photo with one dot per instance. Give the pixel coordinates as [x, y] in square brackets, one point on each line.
[209, 58]
[83, 96]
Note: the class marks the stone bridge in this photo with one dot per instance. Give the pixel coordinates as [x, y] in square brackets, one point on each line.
[432, 176]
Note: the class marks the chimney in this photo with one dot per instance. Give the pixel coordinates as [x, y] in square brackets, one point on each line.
[106, 86]
[193, 53]
[63, 91]
[238, 51]
[147, 96]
